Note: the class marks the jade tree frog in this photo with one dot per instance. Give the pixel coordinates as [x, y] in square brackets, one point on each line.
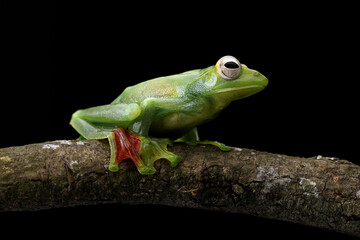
[147, 117]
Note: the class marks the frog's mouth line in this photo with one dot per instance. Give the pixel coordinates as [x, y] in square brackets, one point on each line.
[255, 87]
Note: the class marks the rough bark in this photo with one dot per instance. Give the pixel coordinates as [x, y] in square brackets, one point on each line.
[321, 192]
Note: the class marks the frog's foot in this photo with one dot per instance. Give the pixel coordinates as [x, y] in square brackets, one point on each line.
[125, 144]
[153, 149]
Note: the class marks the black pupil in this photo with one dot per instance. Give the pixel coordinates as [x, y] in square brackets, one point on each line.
[231, 65]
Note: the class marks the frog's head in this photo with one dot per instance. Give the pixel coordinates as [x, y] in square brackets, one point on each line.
[230, 80]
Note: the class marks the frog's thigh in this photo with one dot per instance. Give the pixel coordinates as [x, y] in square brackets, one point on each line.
[98, 122]
[117, 114]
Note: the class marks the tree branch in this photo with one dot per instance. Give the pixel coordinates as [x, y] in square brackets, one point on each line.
[321, 192]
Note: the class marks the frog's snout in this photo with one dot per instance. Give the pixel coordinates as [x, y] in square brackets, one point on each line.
[261, 79]
[265, 81]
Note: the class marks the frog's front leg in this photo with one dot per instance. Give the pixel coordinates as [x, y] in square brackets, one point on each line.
[192, 139]
[153, 149]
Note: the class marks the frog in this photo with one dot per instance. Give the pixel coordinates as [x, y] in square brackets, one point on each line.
[148, 117]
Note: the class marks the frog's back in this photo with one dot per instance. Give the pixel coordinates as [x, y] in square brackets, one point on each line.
[173, 86]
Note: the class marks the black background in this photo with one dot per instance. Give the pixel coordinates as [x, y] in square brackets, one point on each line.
[57, 58]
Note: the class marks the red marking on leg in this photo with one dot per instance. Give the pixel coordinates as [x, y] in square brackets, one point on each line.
[127, 146]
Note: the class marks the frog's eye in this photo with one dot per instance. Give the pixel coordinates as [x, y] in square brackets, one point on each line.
[229, 67]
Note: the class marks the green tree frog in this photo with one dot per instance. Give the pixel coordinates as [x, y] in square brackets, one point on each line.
[147, 117]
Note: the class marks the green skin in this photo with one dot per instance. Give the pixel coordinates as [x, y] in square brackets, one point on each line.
[167, 109]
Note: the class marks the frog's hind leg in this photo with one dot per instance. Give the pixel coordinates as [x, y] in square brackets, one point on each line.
[144, 151]
[100, 122]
